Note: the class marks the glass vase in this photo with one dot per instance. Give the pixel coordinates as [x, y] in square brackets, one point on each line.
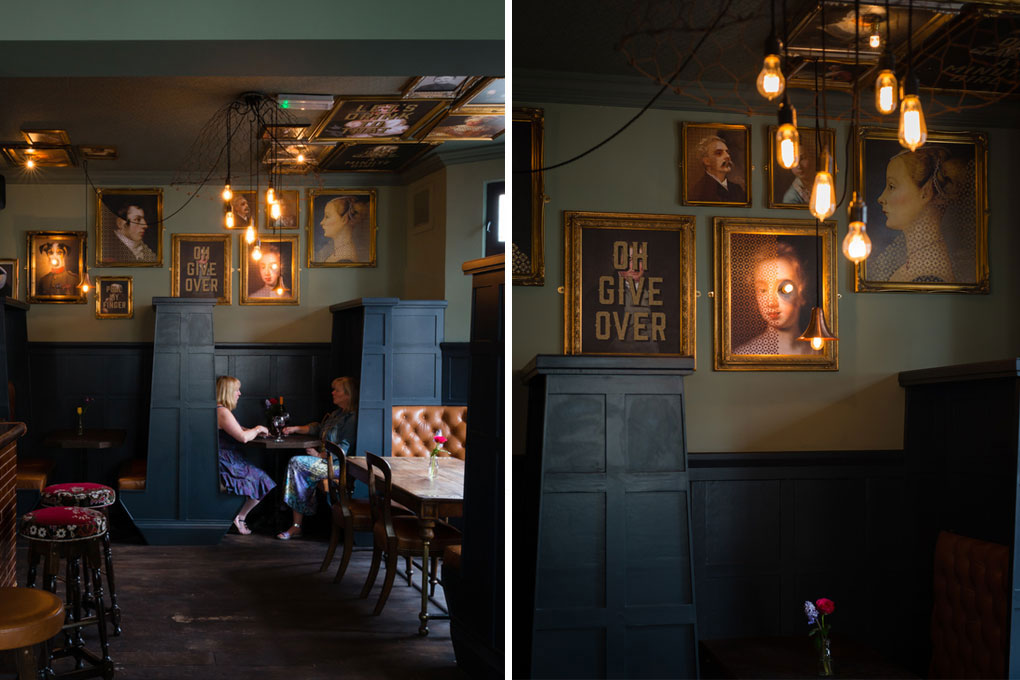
[81, 424]
[825, 659]
[433, 466]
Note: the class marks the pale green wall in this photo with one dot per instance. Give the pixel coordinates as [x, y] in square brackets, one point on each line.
[465, 211]
[43, 207]
[858, 407]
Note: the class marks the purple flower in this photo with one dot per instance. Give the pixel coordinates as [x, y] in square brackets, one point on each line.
[810, 611]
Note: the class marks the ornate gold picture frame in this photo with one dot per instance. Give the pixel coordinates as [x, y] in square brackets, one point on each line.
[792, 188]
[376, 118]
[115, 297]
[56, 260]
[274, 278]
[765, 287]
[927, 213]
[200, 266]
[341, 228]
[129, 227]
[715, 164]
[630, 284]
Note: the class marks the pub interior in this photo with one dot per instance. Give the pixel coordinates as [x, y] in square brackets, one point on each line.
[692, 500]
[378, 258]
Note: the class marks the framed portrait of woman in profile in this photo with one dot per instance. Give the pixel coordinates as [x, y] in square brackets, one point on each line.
[768, 274]
[272, 279]
[927, 213]
[341, 228]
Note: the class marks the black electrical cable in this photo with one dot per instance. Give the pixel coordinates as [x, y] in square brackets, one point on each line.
[646, 106]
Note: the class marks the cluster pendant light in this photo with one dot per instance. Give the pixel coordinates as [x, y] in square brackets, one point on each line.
[913, 130]
[787, 141]
[857, 244]
[85, 284]
[771, 82]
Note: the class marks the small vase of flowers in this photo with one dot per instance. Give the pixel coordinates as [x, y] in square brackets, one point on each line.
[816, 613]
[80, 412]
[439, 440]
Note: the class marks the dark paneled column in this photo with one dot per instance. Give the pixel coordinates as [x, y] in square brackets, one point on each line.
[392, 347]
[14, 368]
[477, 627]
[182, 502]
[606, 550]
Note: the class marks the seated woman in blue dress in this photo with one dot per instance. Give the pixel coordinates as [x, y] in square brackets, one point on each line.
[305, 472]
[237, 475]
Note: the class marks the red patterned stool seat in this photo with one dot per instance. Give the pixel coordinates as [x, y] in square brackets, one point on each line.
[63, 524]
[80, 494]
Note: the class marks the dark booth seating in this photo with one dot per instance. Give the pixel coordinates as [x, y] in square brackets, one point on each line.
[969, 625]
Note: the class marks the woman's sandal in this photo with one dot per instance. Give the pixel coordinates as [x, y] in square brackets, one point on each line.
[290, 533]
[241, 526]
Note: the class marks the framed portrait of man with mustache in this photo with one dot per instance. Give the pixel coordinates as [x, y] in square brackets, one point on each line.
[716, 169]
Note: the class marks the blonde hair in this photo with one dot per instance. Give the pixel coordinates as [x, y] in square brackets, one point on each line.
[226, 387]
[347, 384]
[345, 206]
[932, 164]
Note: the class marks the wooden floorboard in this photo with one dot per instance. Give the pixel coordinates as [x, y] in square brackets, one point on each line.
[257, 607]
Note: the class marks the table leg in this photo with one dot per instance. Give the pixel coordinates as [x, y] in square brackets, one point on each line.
[427, 534]
[83, 466]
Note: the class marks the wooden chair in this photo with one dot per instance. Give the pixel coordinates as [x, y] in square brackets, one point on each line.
[349, 515]
[394, 534]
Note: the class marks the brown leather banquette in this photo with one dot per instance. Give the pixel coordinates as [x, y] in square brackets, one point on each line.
[414, 427]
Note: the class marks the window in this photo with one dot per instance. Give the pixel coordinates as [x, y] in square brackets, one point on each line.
[495, 218]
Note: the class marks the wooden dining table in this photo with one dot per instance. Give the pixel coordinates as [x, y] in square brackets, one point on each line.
[429, 499]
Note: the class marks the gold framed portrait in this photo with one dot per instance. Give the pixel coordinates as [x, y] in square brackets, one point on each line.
[129, 227]
[927, 213]
[630, 284]
[115, 297]
[56, 260]
[792, 188]
[274, 278]
[715, 162]
[200, 266]
[9, 278]
[341, 228]
[766, 284]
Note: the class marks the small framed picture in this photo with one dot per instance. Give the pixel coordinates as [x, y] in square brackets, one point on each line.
[296, 158]
[376, 118]
[16, 157]
[630, 284]
[9, 278]
[98, 153]
[56, 260]
[245, 206]
[129, 227]
[115, 297]
[488, 96]
[290, 200]
[716, 164]
[927, 213]
[478, 126]
[434, 87]
[792, 188]
[527, 240]
[341, 228]
[273, 279]
[374, 157]
[46, 137]
[766, 284]
[200, 266]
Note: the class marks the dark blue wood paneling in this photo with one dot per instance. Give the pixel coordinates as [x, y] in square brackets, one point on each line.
[456, 372]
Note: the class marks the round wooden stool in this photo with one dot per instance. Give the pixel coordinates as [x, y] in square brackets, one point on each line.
[29, 617]
[74, 535]
[96, 497]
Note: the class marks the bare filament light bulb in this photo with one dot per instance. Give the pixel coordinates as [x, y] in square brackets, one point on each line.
[856, 244]
[817, 343]
[249, 234]
[913, 131]
[787, 137]
[279, 290]
[229, 219]
[875, 40]
[771, 82]
[30, 164]
[270, 196]
[822, 203]
[274, 210]
[227, 193]
[256, 253]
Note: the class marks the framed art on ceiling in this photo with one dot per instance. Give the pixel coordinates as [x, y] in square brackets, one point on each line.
[376, 118]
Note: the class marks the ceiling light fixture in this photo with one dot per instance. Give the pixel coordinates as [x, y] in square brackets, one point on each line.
[856, 244]
[913, 131]
[787, 136]
[886, 87]
[85, 283]
[823, 193]
[771, 82]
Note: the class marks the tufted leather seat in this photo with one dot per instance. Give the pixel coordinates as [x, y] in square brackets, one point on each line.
[969, 625]
[414, 427]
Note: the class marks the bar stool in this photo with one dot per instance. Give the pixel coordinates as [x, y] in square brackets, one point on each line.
[95, 497]
[74, 535]
[28, 618]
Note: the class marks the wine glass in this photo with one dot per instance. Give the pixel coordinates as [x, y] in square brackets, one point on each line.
[278, 422]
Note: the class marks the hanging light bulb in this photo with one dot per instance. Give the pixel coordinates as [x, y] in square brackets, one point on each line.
[875, 40]
[787, 137]
[227, 193]
[886, 87]
[913, 130]
[229, 219]
[270, 196]
[256, 253]
[300, 158]
[823, 195]
[857, 245]
[86, 283]
[279, 290]
[771, 82]
[249, 234]
[30, 163]
[275, 210]
[817, 332]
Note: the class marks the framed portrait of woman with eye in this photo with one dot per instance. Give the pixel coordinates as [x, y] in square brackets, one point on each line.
[273, 278]
[769, 275]
[927, 213]
[341, 228]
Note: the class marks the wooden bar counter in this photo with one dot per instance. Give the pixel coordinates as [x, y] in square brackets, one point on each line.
[9, 435]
